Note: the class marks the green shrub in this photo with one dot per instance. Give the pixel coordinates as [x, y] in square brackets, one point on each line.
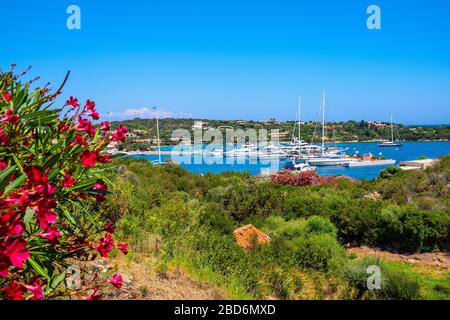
[319, 251]
[316, 224]
[398, 286]
[394, 284]
[215, 216]
[261, 199]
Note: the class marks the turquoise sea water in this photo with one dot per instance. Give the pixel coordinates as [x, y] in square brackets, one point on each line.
[409, 151]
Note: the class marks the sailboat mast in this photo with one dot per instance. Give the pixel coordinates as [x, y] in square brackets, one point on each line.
[157, 134]
[392, 130]
[299, 117]
[323, 123]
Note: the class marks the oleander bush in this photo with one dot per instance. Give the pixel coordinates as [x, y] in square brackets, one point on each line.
[50, 184]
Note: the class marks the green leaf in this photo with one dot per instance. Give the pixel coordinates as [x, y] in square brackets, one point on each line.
[4, 176]
[68, 215]
[57, 280]
[16, 183]
[38, 268]
[29, 213]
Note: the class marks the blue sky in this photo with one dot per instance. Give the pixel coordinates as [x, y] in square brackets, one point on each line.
[240, 59]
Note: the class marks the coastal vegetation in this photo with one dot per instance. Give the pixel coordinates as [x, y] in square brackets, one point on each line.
[186, 220]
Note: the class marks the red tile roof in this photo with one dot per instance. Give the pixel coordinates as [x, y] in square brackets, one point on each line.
[245, 234]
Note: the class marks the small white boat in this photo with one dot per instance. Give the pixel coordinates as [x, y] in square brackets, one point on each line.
[370, 163]
[304, 167]
[390, 144]
[216, 153]
[331, 161]
[243, 151]
[393, 143]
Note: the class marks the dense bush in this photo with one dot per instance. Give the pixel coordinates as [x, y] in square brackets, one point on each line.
[262, 199]
[394, 284]
[215, 216]
[194, 216]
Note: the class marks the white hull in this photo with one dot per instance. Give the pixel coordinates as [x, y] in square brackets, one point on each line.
[330, 162]
[304, 168]
[373, 163]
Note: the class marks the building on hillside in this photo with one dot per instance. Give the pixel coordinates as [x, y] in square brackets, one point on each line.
[241, 122]
[179, 138]
[200, 125]
[130, 135]
[224, 127]
[377, 125]
[138, 131]
[280, 134]
[143, 140]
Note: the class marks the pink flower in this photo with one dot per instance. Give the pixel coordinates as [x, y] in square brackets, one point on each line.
[51, 234]
[105, 245]
[68, 181]
[46, 217]
[7, 96]
[72, 102]
[14, 291]
[94, 296]
[104, 158]
[63, 126]
[10, 223]
[85, 126]
[10, 117]
[94, 115]
[119, 135]
[78, 141]
[36, 288]
[3, 137]
[90, 105]
[123, 247]
[15, 250]
[88, 158]
[109, 227]
[4, 266]
[100, 186]
[105, 126]
[116, 281]
[3, 165]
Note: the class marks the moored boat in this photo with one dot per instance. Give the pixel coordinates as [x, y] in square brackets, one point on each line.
[392, 143]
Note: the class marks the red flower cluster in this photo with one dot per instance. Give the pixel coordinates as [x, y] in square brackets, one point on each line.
[90, 108]
[73, 102]
[119, 135]
[89, 158]
[17, 290]
[116, 281]
[106, 244]
[6, 96]
[52, 163]
[10, 117]
[287, 177]
[105, 126]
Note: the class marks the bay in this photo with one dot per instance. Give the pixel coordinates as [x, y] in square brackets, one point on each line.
[409, 151]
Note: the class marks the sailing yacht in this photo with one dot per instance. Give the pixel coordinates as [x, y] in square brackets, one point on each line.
[328, 159]
[391, 143]
[297, 148]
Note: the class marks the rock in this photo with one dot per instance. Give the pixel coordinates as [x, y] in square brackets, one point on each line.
[372, 196]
